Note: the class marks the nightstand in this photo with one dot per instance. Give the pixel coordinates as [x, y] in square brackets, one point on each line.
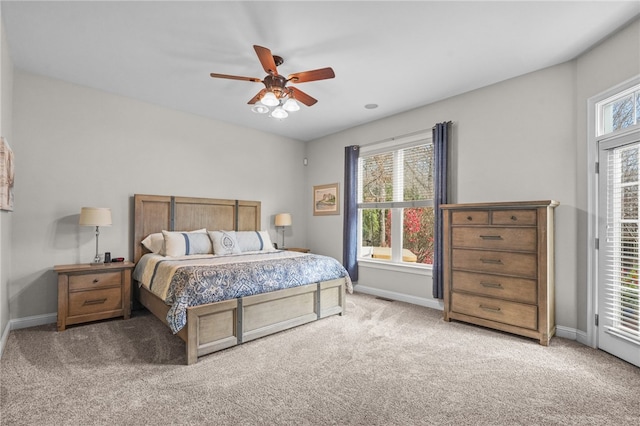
[89, 293]
[301, 250]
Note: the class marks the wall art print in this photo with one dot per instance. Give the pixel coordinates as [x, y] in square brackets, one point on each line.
[326, 199]
[6, 175]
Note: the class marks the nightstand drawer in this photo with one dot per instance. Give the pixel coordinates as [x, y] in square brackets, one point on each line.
[91, 302]
[511, 313]
[96, 280]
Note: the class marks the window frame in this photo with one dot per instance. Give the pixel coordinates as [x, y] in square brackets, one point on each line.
[396, 262]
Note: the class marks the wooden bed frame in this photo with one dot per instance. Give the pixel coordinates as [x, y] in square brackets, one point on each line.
[216, 326]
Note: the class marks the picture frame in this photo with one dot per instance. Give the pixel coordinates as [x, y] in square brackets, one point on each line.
[6, 175]
[326, 199]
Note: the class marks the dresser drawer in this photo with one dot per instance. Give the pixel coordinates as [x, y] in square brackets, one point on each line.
[470, 217]
[514, 217]
[512, 313]
[93, 301]
[496, 262]
[517, 239]
[96, 280]
[515, 289]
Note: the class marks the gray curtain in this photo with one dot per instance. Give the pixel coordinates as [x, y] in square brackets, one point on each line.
[441, 153]
[350, 243]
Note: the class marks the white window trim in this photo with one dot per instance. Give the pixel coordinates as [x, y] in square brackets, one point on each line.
[395, 263]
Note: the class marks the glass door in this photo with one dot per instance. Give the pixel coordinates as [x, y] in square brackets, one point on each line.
[618, 255]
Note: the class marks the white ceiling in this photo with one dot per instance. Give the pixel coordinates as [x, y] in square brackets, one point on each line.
[399, 55]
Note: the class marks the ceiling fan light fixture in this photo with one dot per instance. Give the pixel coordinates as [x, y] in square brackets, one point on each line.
[279, 113]
[269, 99]
[259, 108]
[291, 105]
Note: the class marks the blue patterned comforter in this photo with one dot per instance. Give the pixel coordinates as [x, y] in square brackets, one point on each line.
[196, 280]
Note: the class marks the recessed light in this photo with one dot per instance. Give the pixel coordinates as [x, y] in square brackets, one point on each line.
[371, 106]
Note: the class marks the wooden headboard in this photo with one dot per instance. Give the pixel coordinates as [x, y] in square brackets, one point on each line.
[155, 213]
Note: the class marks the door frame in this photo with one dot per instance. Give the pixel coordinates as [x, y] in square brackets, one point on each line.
[593, 202]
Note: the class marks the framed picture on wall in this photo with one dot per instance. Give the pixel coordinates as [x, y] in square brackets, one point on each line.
[326, 199]
[6, 176]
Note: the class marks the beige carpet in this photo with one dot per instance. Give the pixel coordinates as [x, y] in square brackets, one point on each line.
[383, 363]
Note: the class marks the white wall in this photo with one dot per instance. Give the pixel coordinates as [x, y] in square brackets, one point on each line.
[512, 141]
[6, 89]
[521, 139]
[608, 64]
[82, 147]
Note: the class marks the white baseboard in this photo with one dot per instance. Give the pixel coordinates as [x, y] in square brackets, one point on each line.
[33, 321]
[4, 338]
[572, 334]
[421, 301]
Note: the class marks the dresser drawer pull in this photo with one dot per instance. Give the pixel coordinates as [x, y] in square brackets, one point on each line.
[491, 237]
[490, 308]
[94, 302]
[514, 218]
[490, 285]
[492, 261]
[95, 280]
[469, 218]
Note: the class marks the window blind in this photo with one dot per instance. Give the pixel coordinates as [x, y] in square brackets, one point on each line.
[621, 262]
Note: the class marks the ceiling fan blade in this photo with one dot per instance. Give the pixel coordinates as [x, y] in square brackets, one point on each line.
[319, 74]
[236, 77]
[266, 59]
[299, 95]
[257, 97]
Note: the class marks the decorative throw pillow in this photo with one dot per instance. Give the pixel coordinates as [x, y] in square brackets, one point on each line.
[186, 243]
[154, 242]
[224, 242]
[254, 241]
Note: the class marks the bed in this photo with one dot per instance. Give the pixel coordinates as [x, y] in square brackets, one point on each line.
[210, 327]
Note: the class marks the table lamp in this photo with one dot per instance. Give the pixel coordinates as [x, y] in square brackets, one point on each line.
[283, 219]
[95, 216]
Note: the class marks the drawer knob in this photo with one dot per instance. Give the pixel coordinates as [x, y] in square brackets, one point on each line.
[94, 302]
[514, 218]
[469, 218]
[95, 280]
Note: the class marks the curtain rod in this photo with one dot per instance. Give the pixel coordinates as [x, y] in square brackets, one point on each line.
[417, 132]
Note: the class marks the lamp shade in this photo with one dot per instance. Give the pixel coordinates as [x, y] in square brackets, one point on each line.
[283, 219]
[95, 216]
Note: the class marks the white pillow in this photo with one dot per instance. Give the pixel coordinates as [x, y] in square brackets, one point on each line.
[154, 242]
[186, 243]
[224, 242]
[254, 241]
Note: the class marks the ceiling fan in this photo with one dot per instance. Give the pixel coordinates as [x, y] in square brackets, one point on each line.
[277, 94]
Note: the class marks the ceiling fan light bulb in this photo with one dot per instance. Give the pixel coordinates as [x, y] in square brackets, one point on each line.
[291, 105]
[258, 108]
[269, 99]
[279, 113]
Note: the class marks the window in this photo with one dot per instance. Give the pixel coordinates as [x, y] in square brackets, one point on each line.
[395, 201]
[619, 111]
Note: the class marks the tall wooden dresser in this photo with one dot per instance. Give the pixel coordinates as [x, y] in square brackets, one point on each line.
[499, 266]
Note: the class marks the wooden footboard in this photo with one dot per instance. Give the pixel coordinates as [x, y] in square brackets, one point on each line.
[221, 325]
